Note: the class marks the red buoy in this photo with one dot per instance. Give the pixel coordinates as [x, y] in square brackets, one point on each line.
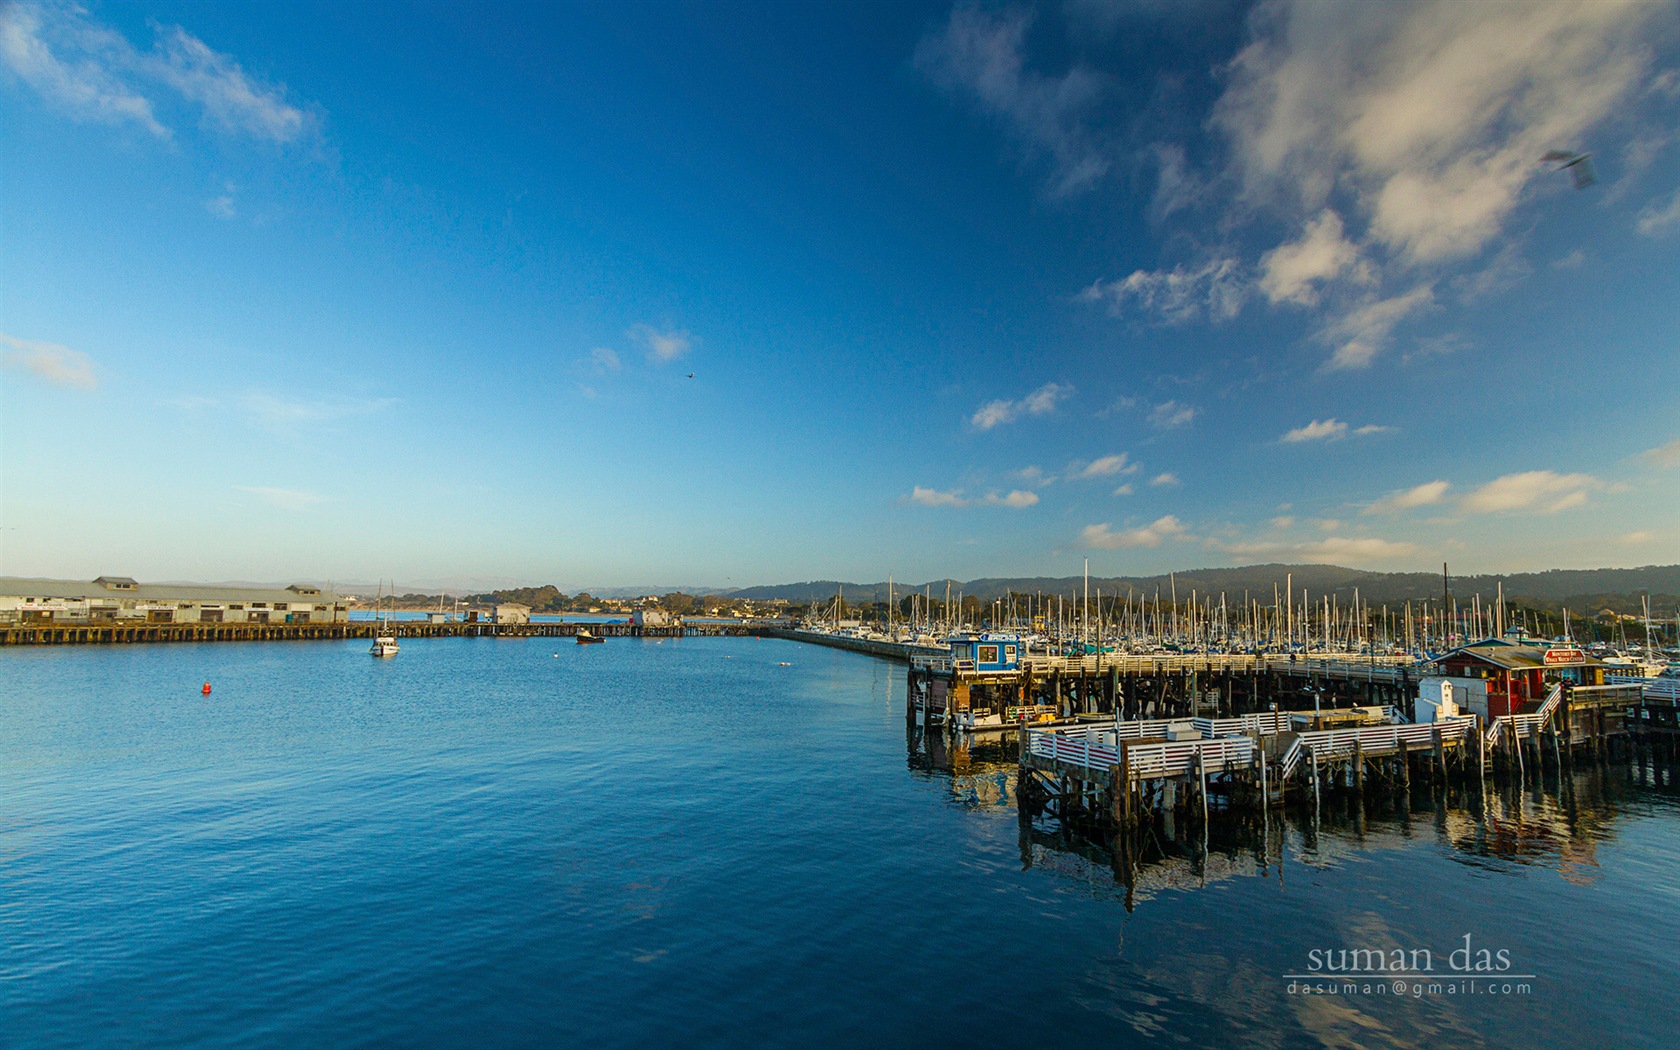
[206, 689]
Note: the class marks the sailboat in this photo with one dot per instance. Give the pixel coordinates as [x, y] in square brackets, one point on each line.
[386, 642]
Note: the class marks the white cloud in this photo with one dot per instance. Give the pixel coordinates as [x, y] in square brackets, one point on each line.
[1101, 537]
[1394, 143]
[1170, 414]
[1124, 490]
[1570, 260]
[94, 73]
[1665, 456]
[1542, 490]
[1018, 499]
[604, 359]
[661, 346]
[1330, 430]
[1659, 217]
[58, 365]
[1427, 494]
[1433, 113]
[1362, 332]
[222, 206]
[1638, 536]
[285, 499]
[1215, 290]
[1039, 402]
[1317, 430]
[934, 498]
[979, 56]
[1164, 478]
[1282, 521]
[1288, 272]
[1105, 467]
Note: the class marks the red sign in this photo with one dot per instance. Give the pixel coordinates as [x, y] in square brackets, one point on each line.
[1554, 657]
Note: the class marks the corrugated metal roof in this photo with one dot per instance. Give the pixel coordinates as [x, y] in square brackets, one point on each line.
[21, 587]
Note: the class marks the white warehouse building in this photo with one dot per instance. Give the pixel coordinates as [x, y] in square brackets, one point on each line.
[120, 599]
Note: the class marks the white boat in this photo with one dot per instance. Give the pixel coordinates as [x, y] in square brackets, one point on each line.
[386, 643]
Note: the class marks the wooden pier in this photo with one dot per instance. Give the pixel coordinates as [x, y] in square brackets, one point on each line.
[1118, 776]
[941, 691]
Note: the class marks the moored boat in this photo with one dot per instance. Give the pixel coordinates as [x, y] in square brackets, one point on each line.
[585, 638]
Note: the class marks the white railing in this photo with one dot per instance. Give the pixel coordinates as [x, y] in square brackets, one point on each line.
[1521, 727]
[923, 662]
[1340, 743]
[1652, 688]
[1266, 723]
[1151, 760]
[1291, 759]
[1180, 757]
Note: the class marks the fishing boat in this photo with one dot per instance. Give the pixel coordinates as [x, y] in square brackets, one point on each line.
[386, 642]
[585, 638]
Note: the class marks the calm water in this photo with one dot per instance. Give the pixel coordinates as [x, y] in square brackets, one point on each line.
[522, 843]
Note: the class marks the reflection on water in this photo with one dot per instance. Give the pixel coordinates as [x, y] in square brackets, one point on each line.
[1556, 822]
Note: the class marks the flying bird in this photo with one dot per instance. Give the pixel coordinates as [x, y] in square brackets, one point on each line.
[691, 375]
[1579, 166]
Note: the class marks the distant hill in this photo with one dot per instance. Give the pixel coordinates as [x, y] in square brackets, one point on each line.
[1581, 589]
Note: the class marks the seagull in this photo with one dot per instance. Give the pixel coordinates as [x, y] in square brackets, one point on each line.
[691, 375]
[1579, 166]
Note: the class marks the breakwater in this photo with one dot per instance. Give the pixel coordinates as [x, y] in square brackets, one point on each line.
[116, 633]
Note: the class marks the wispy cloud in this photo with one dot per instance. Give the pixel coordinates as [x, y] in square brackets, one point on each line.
[1541, 490]
[1170, 414]
[1018, 499]
[282, 413]
[1330, 430]
[1164, 478]
[1666, 456]
[979, 56]
[1125, 490]
[222, 206]
[1660, 216]
[603, 360]
[285, 499]
[1339, 549]
[1104, 467]
[1038, 403]
[1359, 333]
[1392, 143]
[661, 345]
[1427, 494]
[1213, 290]
[231, 100]
[1293, 272]
[1103, 537]
[58, 365]
[94, 73]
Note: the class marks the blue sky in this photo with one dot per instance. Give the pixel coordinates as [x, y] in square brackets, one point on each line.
[353, 291]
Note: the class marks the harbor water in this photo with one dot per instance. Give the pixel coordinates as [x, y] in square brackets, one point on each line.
[731, 841]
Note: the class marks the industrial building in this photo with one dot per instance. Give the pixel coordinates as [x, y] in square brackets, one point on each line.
[120, 599]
